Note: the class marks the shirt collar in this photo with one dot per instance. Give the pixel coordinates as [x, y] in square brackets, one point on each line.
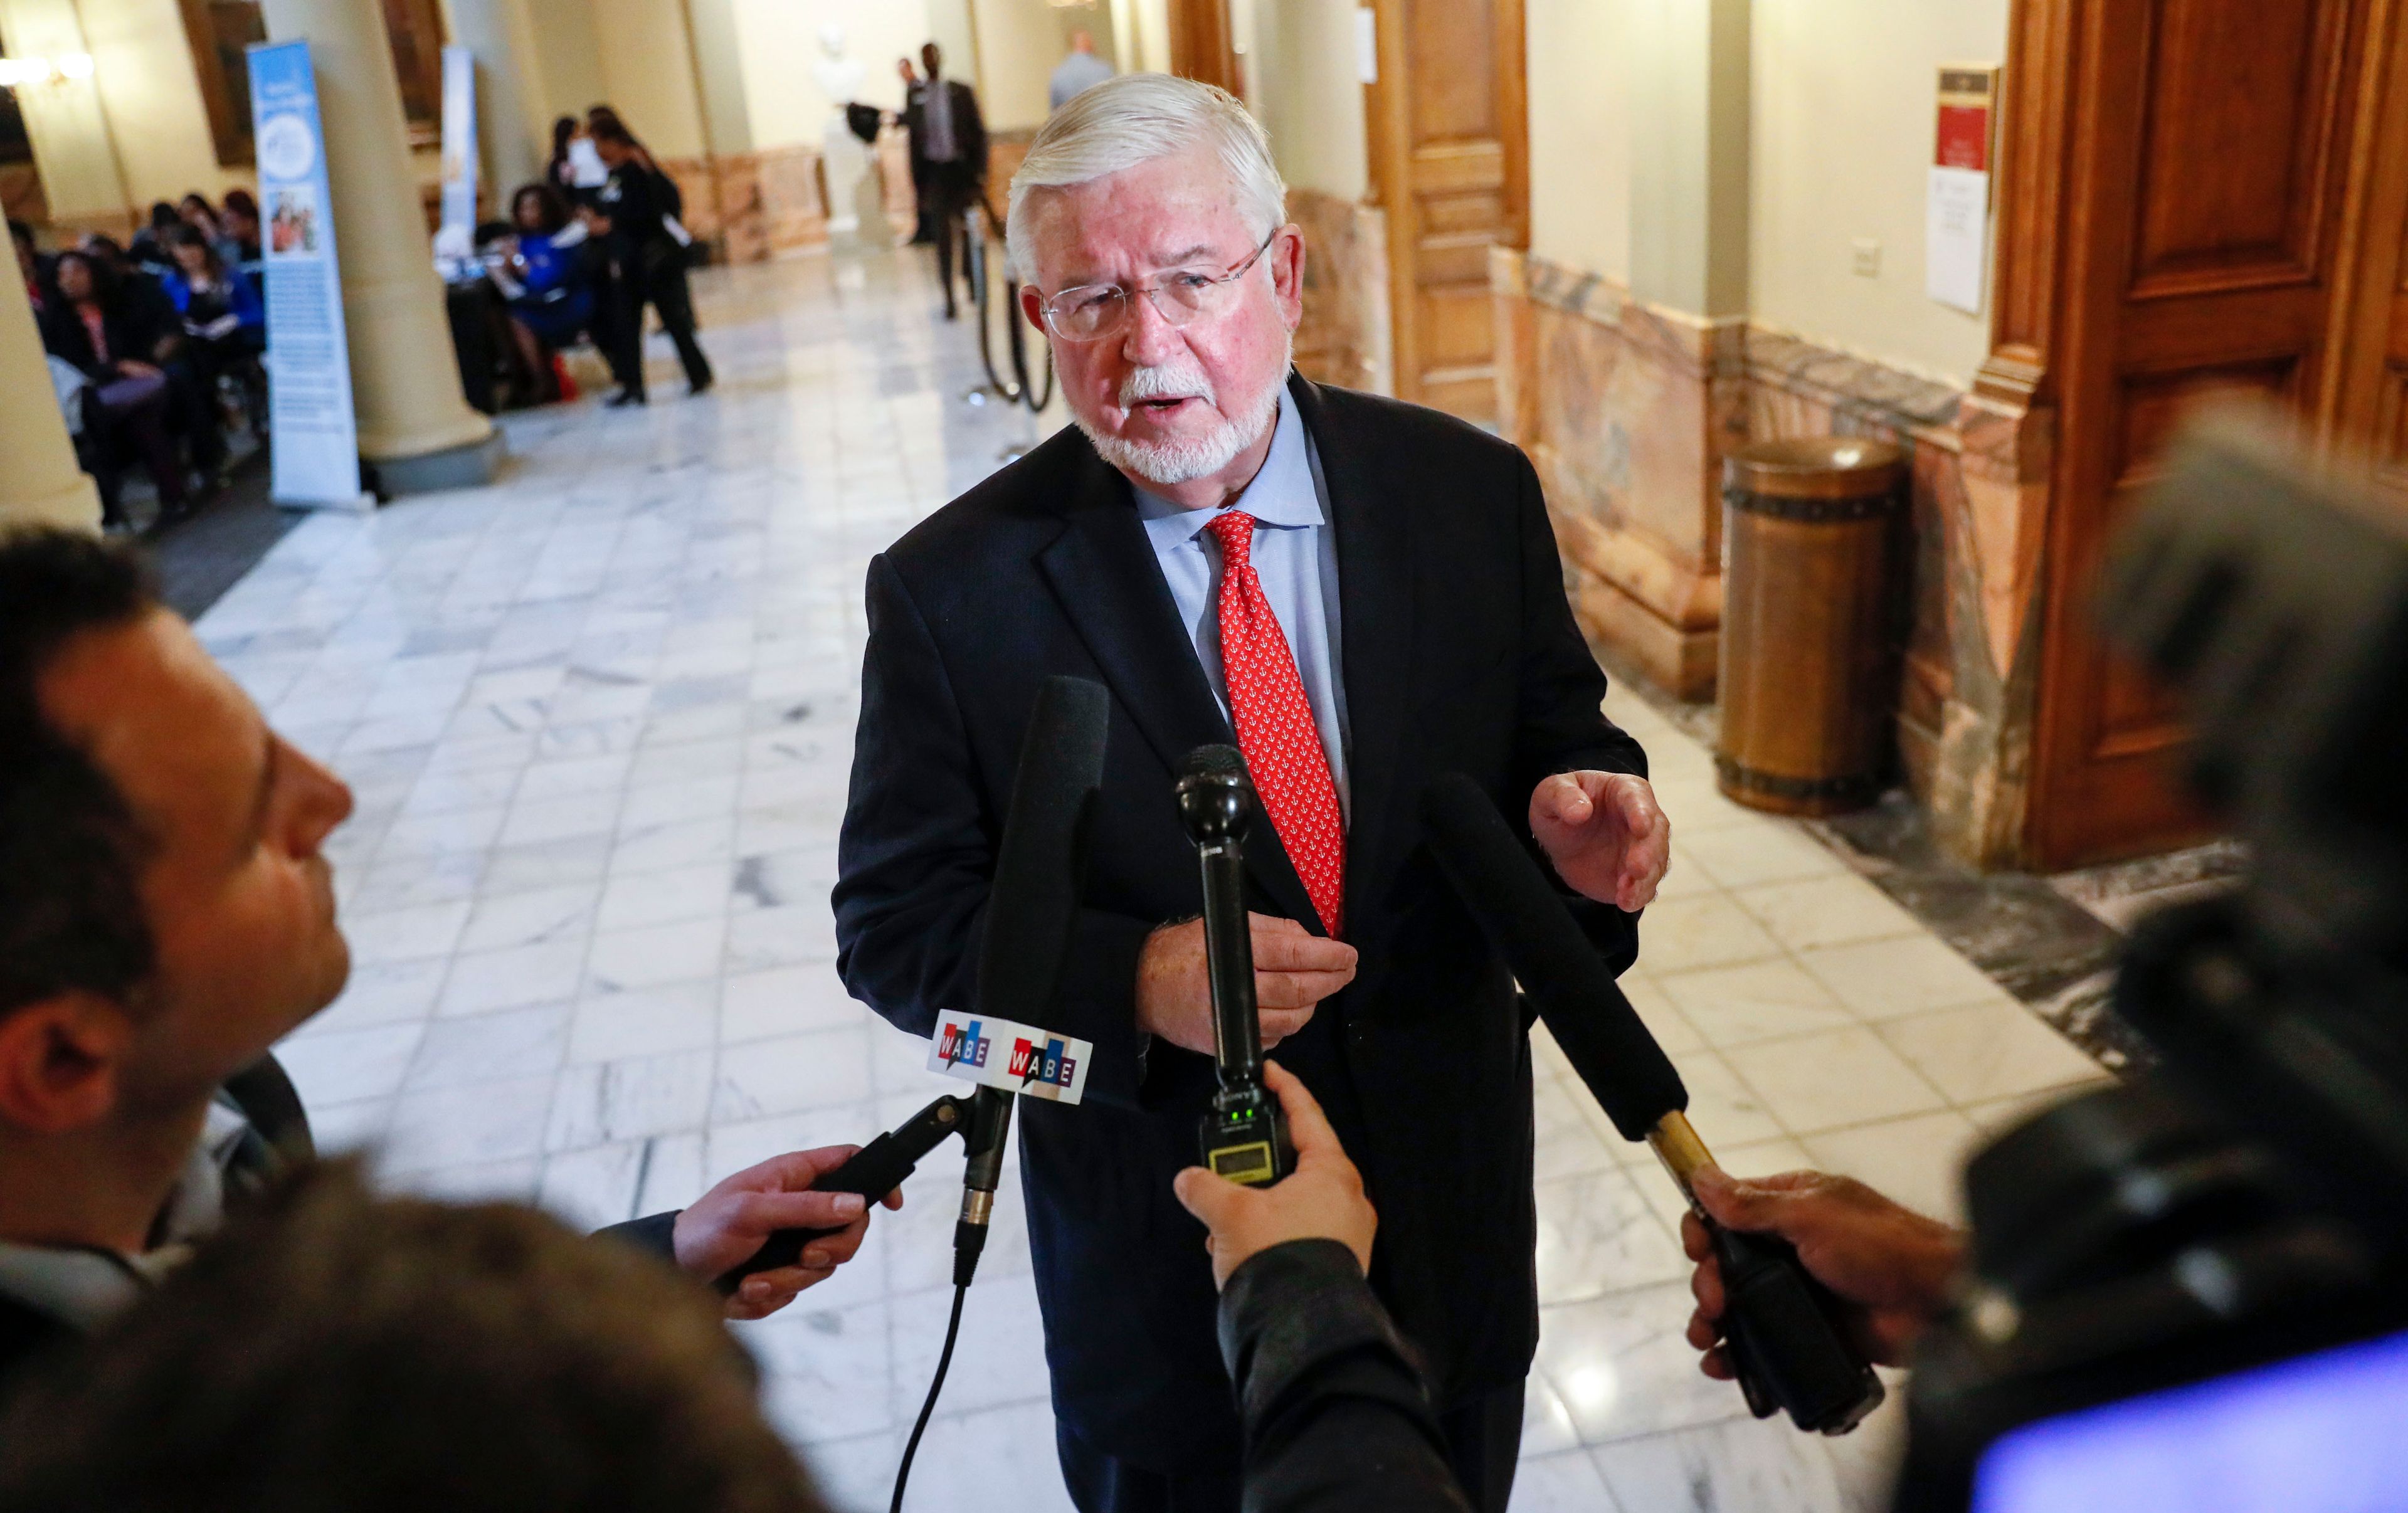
[1282, 495]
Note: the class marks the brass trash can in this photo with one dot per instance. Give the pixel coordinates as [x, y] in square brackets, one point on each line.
[1813, 535]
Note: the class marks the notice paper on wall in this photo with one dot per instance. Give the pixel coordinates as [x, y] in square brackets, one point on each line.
[314, 445]
[1957, 206]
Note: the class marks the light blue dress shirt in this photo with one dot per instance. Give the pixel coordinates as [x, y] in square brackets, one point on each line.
[1294, 553]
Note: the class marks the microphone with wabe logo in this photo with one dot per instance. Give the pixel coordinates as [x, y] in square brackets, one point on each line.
[1244, 1137]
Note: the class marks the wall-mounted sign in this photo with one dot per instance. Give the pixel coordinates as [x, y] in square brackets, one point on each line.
[1957, 206]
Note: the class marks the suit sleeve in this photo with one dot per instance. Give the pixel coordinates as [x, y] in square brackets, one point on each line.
[1563, 724]
[1335, 1416]
[973, 134]
[917, 859]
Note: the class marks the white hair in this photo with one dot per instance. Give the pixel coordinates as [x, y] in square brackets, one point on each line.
[1135, 119]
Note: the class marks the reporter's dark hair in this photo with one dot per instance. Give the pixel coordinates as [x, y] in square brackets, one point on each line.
[190, 236]
[71, 852]
[335, 1353]
[554, 212]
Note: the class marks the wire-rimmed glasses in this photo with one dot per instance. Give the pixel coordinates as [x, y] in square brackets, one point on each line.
[1092, 312]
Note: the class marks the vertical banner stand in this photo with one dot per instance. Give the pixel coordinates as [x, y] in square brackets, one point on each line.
[313, 431]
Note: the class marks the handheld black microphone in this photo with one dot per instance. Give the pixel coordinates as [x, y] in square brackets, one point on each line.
[1245, 1138]
[1784, 1332]
[1031, 913]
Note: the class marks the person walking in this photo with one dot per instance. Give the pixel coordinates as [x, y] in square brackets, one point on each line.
[948, 160]
[633, 215]
[1081, 70]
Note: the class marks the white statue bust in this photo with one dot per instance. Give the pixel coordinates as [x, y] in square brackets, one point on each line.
[841, 155]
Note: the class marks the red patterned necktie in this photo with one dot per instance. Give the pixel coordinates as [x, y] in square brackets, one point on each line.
[1275, 729]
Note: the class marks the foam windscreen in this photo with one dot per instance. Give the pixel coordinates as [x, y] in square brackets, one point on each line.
[1039, 866]
[1555, 963]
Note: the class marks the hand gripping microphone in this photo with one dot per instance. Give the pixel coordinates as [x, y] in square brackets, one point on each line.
[1244, 1137]
[1784, 1332]
[1030, 914]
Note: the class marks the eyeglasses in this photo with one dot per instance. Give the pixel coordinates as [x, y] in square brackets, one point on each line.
[1091, 312]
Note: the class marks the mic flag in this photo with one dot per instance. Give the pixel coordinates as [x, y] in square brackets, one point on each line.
[998, 1053]
[1040, 867]
[1525, 919]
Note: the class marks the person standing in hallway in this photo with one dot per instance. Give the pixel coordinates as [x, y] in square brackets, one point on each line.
[1082, 70]
[948, 161]
[650, 267]
[1362, 596]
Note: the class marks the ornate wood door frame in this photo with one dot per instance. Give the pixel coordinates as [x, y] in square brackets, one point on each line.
[2172, 179]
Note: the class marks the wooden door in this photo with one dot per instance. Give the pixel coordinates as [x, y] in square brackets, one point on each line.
[2205, 177]
[1449, 163]
[2367, 415]
[1202, 45]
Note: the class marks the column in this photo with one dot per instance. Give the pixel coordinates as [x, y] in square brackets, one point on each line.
[415, 427]
[1688, 156]
[41, 485]
[511, 129]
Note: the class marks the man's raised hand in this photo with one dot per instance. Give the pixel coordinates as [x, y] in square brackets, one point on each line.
[1605, 833]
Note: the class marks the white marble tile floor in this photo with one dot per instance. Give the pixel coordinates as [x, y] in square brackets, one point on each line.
[599, 716]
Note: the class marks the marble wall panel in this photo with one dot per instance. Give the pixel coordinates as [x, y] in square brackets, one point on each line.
[1344, 336]
[794, 208]
[1628, 410]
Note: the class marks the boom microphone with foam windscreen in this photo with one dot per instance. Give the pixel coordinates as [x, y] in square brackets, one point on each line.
[1786, 1334]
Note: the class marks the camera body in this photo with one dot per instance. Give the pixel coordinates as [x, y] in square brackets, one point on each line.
[2216, 1234]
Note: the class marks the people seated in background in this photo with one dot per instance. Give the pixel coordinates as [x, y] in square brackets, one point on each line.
[166, 915]
[226, 326]
[32, 268]
[195, 424]
[550, 290]
[343, 1353]
[89, 321]
[239, 215]
[148, 248]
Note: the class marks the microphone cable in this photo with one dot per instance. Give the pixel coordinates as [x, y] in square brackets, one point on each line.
[944, 1360]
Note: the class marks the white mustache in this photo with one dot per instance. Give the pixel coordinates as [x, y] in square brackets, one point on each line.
[1165, 381]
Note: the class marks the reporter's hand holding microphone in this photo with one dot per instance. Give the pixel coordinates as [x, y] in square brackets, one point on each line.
[1322, 1199]
[727, 1226]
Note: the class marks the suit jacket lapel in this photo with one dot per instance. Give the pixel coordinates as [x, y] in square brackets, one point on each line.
[1103, 571]
[1375, 606]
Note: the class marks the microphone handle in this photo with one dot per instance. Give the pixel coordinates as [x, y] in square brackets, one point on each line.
[875, 1170]
[1229, 962]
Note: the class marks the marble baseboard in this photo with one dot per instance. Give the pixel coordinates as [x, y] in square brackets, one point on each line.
[793, 211]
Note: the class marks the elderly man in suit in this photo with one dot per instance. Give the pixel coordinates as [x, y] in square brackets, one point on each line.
[1361, 596]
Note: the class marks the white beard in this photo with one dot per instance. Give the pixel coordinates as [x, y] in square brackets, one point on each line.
[1183, 462]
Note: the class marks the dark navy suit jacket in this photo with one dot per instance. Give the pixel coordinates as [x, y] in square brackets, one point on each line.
[1460, 655]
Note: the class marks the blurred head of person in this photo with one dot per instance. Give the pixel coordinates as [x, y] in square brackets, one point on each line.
[166, 911]
[81, 278]
[611, 141]
[910, 75]
[564, 131]
[1083, 41]
[1155, 226]
[106, 251]
[932, 58]
[602, 118]
[196, 211]
[335, 1353]
[164, 219]
[538, 210]
[196, 255]
[238, 198]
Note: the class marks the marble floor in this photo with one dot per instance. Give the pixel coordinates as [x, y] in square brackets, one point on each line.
[598, 714]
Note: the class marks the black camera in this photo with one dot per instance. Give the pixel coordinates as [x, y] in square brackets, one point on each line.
[2187, 1292]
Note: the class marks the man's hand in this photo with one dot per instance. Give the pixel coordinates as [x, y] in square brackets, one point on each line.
[1605, 835]
[726, 1225]
[1294, 970]
[1320, 1200]
[1891, 1265]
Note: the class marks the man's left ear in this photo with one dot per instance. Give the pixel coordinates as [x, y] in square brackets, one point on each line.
[59, 1061]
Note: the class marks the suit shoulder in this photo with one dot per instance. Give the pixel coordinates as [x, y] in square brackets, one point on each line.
[1431, 433]
[1013, 507]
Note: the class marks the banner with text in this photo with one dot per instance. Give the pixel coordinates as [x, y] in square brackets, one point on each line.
[313, 444]
[998, 1053]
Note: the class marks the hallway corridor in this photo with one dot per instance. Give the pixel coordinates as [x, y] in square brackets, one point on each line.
[598, 717]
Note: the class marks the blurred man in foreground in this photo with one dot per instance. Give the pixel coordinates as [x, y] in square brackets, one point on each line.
[166, 914]
[347, 1354]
